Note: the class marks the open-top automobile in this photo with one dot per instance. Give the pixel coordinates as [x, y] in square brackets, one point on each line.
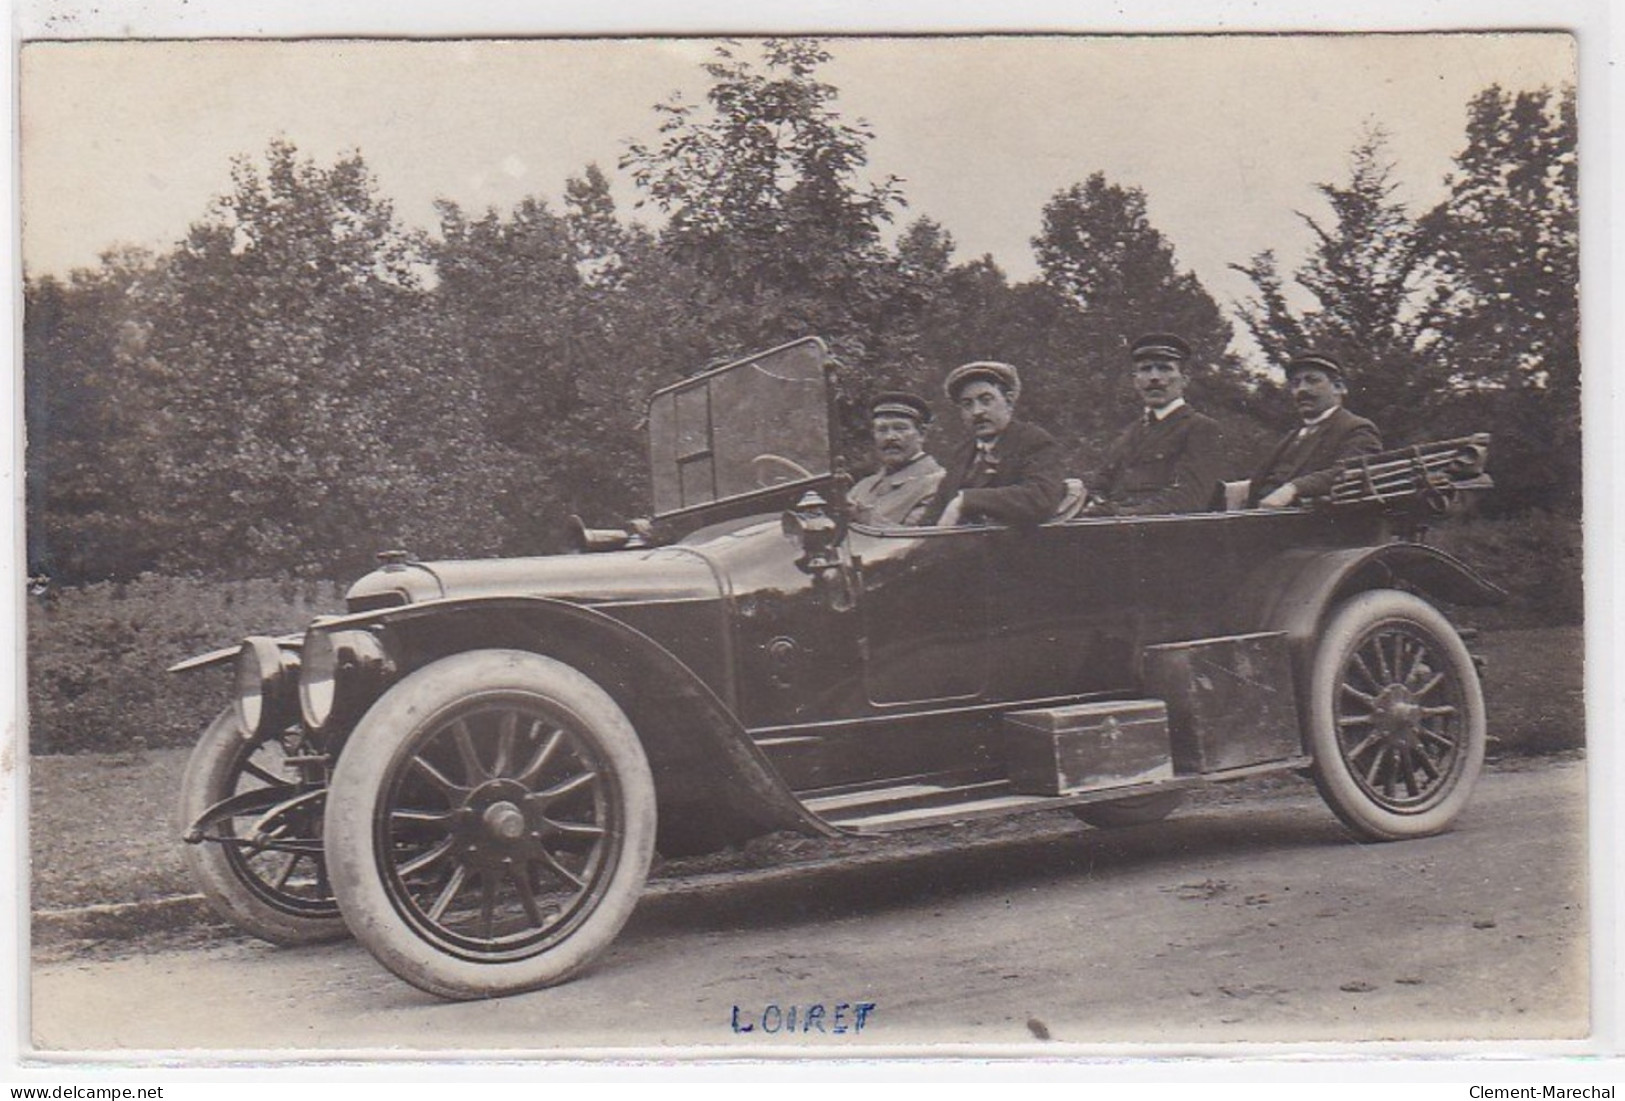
[471, 768]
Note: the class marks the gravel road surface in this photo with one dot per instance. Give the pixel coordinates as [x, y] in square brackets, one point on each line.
[1246, 920]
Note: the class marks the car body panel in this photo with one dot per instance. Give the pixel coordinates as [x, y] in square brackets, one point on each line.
[630, 576]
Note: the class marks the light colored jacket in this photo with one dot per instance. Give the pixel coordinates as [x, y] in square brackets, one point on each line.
[888, 498]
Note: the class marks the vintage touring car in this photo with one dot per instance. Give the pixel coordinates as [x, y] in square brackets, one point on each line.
[470, 770]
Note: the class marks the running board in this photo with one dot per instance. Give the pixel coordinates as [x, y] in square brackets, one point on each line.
[918, 817]
[915, 804]
[901, 797]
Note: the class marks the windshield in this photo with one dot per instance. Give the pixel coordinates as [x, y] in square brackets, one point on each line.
[749, 426]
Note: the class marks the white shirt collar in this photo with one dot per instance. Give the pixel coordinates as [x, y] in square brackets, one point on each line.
[1167, 410]
[1321, 419]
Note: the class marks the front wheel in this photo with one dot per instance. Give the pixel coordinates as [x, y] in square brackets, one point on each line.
[1396, 720]
[490, 824]
[258, 858]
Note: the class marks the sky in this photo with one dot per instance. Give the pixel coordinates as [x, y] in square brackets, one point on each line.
[126, 142]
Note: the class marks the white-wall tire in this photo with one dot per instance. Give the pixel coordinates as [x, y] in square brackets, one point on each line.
[279, 893]
[490, 824]
[1396, 719]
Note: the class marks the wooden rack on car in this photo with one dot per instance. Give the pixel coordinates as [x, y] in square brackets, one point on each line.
[1431, 473]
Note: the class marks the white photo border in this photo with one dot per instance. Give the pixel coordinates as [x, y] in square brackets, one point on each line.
[1598, 48]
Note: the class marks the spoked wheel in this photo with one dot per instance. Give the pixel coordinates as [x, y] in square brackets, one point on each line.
[490, 824]
[1134, 810]
[258, 856]
[1397, 717]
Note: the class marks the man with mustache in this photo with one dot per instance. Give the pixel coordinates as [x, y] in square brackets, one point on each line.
[1303, 463]
[1008, 471]
[1167, 461]
[900, 491]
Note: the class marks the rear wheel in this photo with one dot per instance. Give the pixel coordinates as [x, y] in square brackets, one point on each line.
[490, 824]
[1396, 721]
[1136, 810]
[259, 860]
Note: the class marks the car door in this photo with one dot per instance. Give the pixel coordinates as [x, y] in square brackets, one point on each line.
[925, 606]
[1065, 607]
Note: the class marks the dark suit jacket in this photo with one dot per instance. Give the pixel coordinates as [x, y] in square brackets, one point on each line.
[1170, 465]
[1308, 463]
[1025, 487]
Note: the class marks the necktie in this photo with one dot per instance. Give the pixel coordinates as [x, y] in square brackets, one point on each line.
[986, 462]
[1298, 450]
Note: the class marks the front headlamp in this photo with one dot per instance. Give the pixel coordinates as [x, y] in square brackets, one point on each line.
[342, 673]
[267, 676]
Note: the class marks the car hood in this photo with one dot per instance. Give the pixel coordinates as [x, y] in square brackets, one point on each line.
[668, 573]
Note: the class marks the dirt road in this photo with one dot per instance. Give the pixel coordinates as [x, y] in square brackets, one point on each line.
[1258, 920]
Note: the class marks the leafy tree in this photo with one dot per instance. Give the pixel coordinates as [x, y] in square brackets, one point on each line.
[511, 292]
[297, 429]
[599, 239]
[84, 408]
[569, 320]
[925, 252]
[763, 192]
[1373, 293]
[508, 284]
[972, 312]
[915, 317]
[1507, 241]
[1111, 275]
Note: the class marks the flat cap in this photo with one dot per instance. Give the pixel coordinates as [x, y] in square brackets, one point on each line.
[983, 370]
[1314, 361]
[1159, 346]
[898, 403]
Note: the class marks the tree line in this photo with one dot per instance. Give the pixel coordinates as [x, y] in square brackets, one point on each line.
[303, 380]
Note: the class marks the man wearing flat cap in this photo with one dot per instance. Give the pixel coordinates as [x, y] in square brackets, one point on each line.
[1168, 460]
[1008, 471]
[1303, 463]
[900, 491]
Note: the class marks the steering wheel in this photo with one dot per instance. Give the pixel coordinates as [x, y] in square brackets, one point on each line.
[771, 470]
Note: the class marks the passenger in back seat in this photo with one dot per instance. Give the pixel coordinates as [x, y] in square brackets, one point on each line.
[1007, 471]
[1303, 464]
[1168, 460]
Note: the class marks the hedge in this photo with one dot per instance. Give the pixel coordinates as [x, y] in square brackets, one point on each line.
[97, 654]
[1537, 557]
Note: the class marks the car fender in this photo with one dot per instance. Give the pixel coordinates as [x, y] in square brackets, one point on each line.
[704, 761]
[1296, 590]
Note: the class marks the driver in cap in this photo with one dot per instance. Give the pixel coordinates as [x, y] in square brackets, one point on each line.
[901, 490]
